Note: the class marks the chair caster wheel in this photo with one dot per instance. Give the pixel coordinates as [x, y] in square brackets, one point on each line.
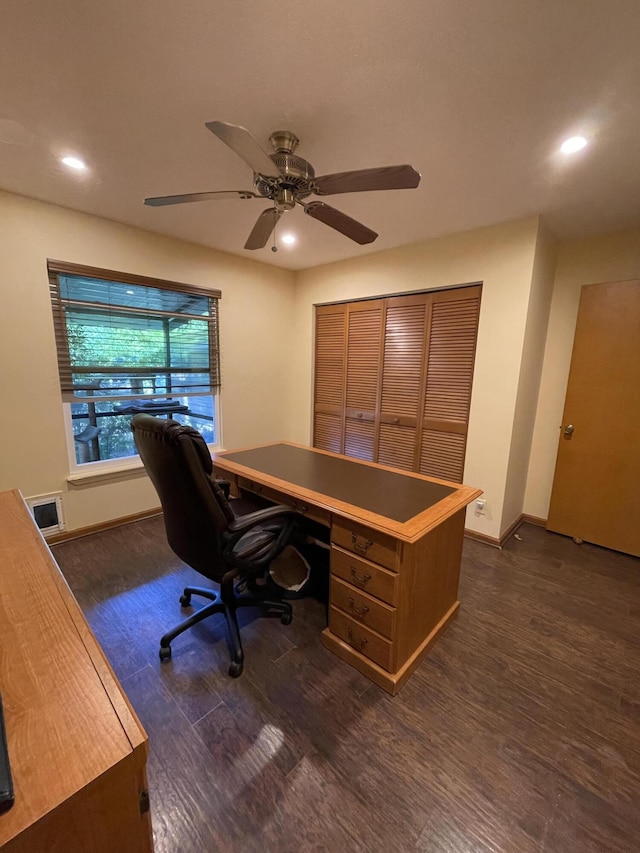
[185, 599]
[164, 653]
[285, 619]
[235, 668]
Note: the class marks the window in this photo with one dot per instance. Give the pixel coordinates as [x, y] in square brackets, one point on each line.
[129, 344]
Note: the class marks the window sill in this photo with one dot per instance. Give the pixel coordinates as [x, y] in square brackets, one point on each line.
[123, 471]
[106, 475]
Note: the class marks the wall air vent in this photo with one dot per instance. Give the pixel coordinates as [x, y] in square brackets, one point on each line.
[47, 513]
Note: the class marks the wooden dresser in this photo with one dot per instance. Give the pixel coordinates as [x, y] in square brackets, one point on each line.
[77, 750]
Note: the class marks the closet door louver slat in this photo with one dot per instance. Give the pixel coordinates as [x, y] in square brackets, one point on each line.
[397, 446]
[327, 432]
[330, 360]
[359, 438]
[442, 455]
[402, 368]
[363, 357]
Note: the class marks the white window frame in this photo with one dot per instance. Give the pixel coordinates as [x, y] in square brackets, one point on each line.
[120, 466]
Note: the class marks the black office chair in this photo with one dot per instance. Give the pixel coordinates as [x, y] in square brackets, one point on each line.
[225, 540]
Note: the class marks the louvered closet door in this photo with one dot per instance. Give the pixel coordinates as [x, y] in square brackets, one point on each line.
[393, 379]
[451, 347]
[402, 380]
[364, 352]
[330, 362]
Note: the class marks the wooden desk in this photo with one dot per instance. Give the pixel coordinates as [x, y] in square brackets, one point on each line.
[396, 544]
[77, 750]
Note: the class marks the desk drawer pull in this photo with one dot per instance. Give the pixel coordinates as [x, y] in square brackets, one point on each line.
[360, 612]
[366, 577]
[362, 546]
[301, 507]
[359, 643]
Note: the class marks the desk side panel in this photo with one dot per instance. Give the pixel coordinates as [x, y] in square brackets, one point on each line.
[128, 718]
[103, 817]
[63, 725]
[429, 575]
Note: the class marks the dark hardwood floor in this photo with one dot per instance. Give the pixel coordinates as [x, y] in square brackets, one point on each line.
[519, 732]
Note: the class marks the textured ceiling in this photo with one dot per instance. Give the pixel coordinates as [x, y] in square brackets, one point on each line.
[477, 96]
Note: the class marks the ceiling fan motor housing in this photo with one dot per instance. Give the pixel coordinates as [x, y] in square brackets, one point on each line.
[296, 173]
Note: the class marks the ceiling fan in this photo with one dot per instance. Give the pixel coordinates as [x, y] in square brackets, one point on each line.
[287, 179]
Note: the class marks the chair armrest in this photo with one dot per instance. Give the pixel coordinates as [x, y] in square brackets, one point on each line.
[246, 522]
[253, 540]
[225, 485]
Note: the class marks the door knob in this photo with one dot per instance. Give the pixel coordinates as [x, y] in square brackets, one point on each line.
[568, 429]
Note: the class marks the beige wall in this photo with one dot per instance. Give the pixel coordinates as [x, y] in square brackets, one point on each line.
[502, 258]
[544, 266]
[266, 336]
[256, 316]
[611, 257]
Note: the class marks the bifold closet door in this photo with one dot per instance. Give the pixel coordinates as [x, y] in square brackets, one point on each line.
[364, 355]
[406, 323]
[330, 379]
[393, 379]
[450, 356]
[348, 352]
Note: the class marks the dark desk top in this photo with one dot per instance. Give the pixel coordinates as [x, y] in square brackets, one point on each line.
[391, 494]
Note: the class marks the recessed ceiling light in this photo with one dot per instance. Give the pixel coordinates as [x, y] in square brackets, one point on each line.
[573, 144]
[74, 163]
[289, 239]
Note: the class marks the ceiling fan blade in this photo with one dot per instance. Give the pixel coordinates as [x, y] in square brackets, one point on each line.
[341, 222]
[240, 140]
[159, 201]
[383, 178]
[262, 229]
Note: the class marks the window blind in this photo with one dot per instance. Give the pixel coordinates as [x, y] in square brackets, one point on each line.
[121, 336]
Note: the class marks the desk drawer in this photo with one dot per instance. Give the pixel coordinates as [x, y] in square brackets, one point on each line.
[364, 608]
[362, 574]
[308, 510]
[367, 543]
[362, 639]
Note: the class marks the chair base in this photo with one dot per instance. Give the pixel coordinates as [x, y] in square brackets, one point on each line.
[226, 602]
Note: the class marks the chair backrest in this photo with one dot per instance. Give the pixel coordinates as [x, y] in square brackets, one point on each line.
[196, 512]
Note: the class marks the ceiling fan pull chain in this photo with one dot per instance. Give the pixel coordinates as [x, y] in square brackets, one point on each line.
[274, 248]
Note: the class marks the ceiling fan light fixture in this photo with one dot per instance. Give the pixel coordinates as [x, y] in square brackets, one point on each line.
[285, 200]
[74, 163]
[573, 144]
[288, 239]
